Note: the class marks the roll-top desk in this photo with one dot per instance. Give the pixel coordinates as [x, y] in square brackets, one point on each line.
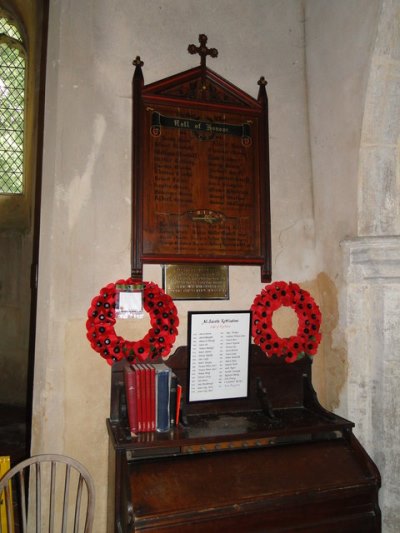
[274, 462]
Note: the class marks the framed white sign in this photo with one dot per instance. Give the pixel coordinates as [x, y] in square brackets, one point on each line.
[219, 348]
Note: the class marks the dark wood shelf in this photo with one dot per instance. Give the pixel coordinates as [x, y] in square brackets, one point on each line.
[238, 426]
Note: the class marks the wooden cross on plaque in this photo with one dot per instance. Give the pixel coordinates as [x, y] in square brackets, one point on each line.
[202, 50]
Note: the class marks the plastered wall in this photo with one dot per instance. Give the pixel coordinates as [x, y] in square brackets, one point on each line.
[338, 49]
[86, 202]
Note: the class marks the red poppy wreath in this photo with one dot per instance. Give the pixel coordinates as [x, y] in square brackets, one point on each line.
[307, 338]
[157, 342]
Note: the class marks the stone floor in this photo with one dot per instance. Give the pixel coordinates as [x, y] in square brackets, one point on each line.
[13, 432]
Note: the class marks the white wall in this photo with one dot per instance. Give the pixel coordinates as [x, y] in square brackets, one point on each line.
[86, 206]
[340, 37]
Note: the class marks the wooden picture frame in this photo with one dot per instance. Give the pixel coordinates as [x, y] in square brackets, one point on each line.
[200, 165]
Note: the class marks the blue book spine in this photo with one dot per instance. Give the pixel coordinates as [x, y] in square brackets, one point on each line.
[163, 384]
[172, 399]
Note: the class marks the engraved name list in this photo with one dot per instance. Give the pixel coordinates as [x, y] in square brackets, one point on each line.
[202, 194]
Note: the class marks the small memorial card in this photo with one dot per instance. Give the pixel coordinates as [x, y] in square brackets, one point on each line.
[129, 301]
[219, 347]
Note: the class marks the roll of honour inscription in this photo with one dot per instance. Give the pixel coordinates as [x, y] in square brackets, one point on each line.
[202, 197]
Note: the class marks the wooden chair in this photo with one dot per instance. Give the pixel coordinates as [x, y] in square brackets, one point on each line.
[51, 493]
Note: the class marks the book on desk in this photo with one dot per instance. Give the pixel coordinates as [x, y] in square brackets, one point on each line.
[151, 397]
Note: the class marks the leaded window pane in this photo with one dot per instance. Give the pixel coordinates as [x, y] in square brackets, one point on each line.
[12, 109]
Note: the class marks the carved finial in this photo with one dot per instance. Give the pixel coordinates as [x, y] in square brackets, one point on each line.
[202, 50]
[262, 93]
[137, 62]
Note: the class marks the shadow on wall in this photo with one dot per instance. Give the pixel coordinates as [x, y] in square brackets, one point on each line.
[330, 368]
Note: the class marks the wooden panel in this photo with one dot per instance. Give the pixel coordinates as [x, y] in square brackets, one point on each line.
[284, 382]
[341, 515]
[244, 482]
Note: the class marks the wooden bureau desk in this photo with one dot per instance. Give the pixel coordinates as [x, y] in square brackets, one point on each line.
[274, 462]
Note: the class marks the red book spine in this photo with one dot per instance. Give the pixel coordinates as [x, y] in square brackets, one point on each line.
[130, 393]
[152, 398]
[144, 376]
[178, 403]
[139, 408]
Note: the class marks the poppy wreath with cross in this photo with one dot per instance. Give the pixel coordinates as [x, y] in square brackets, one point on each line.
[157, 342]
[307, 338]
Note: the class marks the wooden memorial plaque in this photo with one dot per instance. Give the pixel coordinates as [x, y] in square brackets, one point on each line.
[200, 170]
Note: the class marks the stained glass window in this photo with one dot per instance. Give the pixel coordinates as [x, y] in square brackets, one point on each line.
[12, 107]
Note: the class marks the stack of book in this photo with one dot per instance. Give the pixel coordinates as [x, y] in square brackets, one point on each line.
[152, 397]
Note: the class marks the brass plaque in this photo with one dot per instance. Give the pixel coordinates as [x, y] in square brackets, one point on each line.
[196, 282]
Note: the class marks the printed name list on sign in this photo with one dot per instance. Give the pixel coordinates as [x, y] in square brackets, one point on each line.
[219, 355]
